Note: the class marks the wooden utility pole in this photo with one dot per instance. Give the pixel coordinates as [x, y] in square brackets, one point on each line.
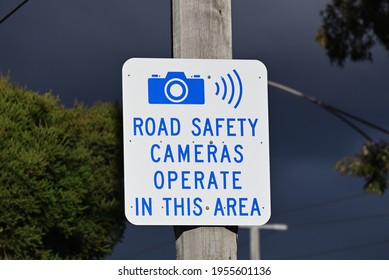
[202, 29]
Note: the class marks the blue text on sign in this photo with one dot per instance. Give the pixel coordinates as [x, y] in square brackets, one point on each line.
[231, 127]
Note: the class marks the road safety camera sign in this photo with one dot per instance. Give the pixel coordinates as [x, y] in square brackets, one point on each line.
[196, 142]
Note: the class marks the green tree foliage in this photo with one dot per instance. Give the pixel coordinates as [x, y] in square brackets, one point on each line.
[351, 28]
[60, 177]
[371, 163]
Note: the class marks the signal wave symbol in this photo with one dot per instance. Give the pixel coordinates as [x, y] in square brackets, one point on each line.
[232, 89]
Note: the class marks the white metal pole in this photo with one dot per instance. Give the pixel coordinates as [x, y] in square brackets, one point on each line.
[255, 237]
[254, 244]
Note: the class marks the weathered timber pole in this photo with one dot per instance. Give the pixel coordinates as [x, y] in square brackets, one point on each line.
[202, 29]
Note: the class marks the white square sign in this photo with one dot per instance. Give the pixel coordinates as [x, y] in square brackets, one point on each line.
[196, 142]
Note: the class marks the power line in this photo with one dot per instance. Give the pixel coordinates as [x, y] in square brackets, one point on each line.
[13, 11]
[345, 120]
[342, 115]
[291, 226]
[283, 212]
[340, 221]
[315, 205]
[338, 250]
[331, 222]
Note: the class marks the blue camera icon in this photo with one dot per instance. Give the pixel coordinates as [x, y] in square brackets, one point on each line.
[176, 88]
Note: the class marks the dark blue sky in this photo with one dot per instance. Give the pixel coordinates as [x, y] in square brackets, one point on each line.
[76, 49]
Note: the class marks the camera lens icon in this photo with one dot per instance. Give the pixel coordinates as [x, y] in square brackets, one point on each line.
[176, 90]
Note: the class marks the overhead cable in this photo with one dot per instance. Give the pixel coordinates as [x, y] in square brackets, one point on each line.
[13, 11]
[315, 205]
[341, 114]
[338, 250]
